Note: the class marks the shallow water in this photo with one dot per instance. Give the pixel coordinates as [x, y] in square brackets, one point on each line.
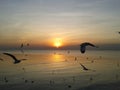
[58, 69]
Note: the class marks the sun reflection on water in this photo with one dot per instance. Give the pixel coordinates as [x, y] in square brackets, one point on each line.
[57, 57]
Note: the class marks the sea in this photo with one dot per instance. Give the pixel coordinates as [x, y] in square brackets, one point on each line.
[59, 69]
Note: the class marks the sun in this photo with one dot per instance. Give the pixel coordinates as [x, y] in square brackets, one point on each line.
[57, 42]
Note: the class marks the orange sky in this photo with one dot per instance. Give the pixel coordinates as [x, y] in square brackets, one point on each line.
[73, 22]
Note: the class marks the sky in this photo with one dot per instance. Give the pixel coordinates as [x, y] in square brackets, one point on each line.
[45, 23]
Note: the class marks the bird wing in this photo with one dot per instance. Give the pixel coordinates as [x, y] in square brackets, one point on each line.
[90, 44]
[83, 66]
[11, 56]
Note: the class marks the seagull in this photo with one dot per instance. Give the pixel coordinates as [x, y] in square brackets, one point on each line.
[91, 79]
[32, 81]
[69, 86]
[84, 68]
[119, 32]
[21, 45]
[83, 46]
[75, 58]
[1, 59]
[92, 61]
[14, 58]
[5, 79]
[28, 44]
[26, 81]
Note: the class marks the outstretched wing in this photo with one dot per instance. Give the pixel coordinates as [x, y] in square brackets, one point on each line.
[90, 44]
[83, 67]
[11, 56]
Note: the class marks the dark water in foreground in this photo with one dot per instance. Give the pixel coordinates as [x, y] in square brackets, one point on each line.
[60, 70]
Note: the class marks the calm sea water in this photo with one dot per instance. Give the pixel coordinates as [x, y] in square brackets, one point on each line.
[58, 69]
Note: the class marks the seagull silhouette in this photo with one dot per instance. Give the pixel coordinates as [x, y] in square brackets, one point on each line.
[28, 44]
[84, 68]
[83, 46]
[21, 46]
[14, 58]
[5, 79]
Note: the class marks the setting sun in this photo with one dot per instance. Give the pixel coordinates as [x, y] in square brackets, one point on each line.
[57, 42]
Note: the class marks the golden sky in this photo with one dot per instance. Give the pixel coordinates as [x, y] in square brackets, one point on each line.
[41, 22]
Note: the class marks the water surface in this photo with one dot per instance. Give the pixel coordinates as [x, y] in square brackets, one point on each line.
[58, 69]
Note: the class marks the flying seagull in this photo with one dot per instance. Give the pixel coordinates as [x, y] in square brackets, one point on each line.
[28, 44]
[21, 48]
[21, 45]
[83, 46]
[14, 58]
[84, 68]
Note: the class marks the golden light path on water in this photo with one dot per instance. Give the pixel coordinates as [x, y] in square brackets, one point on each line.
[61, 67]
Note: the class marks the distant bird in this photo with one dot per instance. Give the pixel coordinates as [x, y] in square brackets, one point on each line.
[14, 58]
[26, 81]
[91, 79]
[75, 58]
[1, 59]
[28, 44]
[68, 52]
[119, 32]
[87, 58]
[5, 79]
[69, 86]
[92, 61]
[84, 68]
[32, 81]
[83, 46]
[21, 45]
[51, 82]
[24, 69]
[21, 48]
